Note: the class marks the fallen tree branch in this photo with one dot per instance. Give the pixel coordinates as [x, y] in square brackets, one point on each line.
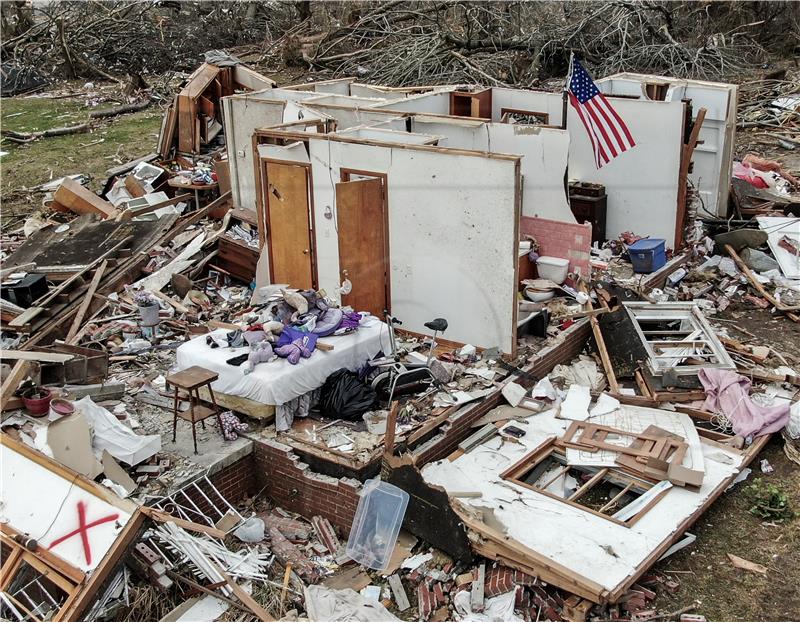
[27, 137]
[117, 110]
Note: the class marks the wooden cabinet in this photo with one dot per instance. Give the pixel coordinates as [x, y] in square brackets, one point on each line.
[236, 256]
[588, 204]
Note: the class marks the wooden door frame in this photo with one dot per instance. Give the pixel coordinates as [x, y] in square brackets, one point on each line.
[345, 175]
[263, 215]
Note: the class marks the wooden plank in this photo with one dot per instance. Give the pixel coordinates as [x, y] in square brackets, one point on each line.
[80, 200]
[140, 211]
[164, 517]
[87, 300]
[25, 318]
[758, 286]
[399, 593]
[18, 373]
[33, 355]
[476, 596]
[179, 307]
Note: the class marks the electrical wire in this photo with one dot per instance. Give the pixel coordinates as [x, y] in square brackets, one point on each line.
[60, 507]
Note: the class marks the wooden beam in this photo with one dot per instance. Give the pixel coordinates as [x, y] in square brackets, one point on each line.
[87, 300]
[18, 373]
[758, 286]
[129, 213]
[687, 151]
[34, 355]
[164, 517]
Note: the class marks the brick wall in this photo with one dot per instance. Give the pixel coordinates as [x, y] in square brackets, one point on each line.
[237, 480]
[573, 341]
[561, 239]
[294, 486]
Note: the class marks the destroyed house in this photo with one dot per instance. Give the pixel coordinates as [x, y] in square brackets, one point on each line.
[403, 292]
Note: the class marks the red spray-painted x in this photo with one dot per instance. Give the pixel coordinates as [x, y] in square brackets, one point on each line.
[83, 528]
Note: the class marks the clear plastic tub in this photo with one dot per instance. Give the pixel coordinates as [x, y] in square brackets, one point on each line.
[377, 522]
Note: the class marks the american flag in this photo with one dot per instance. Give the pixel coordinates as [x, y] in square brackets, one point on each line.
[607, 131]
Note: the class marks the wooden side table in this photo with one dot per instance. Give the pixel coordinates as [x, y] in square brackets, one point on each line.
[177, 182]
[190, 380]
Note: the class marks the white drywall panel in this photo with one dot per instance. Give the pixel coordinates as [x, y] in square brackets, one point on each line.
[390, 136]
[642, 183]
[456, 133]
[545, 152]
[352, 117]
[431, 103]
[243, 114]
[370, 90]
[712, 158]
[44, 505]
[296, 152]
[544, 163]
[536, 101]
[452, 235]
[589, 545]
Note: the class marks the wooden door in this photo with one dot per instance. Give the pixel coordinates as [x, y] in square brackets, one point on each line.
[288, 225]
[363, 244]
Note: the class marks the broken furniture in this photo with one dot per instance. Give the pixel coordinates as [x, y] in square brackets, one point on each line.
[195, 117]
[234, 255]
[182, 184]
[190, 381]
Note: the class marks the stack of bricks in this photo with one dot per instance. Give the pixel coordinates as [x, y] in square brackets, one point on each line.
[294, 486]
[561, 239]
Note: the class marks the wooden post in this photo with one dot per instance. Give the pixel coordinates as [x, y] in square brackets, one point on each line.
[76, 323]
[687, 151]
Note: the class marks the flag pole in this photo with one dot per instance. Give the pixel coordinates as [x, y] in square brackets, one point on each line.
[564, 94]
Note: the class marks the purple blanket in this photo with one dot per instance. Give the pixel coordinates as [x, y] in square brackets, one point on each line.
[728, 393]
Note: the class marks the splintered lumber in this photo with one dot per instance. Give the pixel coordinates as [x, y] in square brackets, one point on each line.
[760, 288]
[686, 161]
[76, 198]
[608, 368]
[87, 299]
[18, 373]
[164, 517]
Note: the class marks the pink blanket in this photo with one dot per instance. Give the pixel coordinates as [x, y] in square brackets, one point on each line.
[728, 393]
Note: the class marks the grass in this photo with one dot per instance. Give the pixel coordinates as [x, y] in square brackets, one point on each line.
[109, 143]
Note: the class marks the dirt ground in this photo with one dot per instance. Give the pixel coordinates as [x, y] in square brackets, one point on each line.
[703, 569]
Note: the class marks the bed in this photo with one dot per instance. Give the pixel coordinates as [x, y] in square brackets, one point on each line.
[279, 382]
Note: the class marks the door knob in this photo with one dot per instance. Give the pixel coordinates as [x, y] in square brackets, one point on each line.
[305, 252]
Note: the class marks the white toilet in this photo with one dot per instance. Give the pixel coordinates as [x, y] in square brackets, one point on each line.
[553, 268]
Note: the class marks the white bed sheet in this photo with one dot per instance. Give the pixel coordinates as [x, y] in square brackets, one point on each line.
[279, 382]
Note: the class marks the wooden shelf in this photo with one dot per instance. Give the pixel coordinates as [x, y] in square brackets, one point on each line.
[198, 413]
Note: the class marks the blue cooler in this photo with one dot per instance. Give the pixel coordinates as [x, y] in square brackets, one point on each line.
[647, 255]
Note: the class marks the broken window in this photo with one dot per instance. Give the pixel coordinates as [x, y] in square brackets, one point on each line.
[604, 492]
[523, 117]
[677, 337]
[34, 592]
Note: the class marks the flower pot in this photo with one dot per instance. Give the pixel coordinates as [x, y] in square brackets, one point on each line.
[60, 407]
[149, 314]
[39, 404]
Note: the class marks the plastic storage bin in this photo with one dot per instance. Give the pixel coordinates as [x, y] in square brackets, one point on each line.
[376, 524]
[647, 255]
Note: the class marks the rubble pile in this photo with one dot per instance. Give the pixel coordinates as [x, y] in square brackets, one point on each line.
[343, 465]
